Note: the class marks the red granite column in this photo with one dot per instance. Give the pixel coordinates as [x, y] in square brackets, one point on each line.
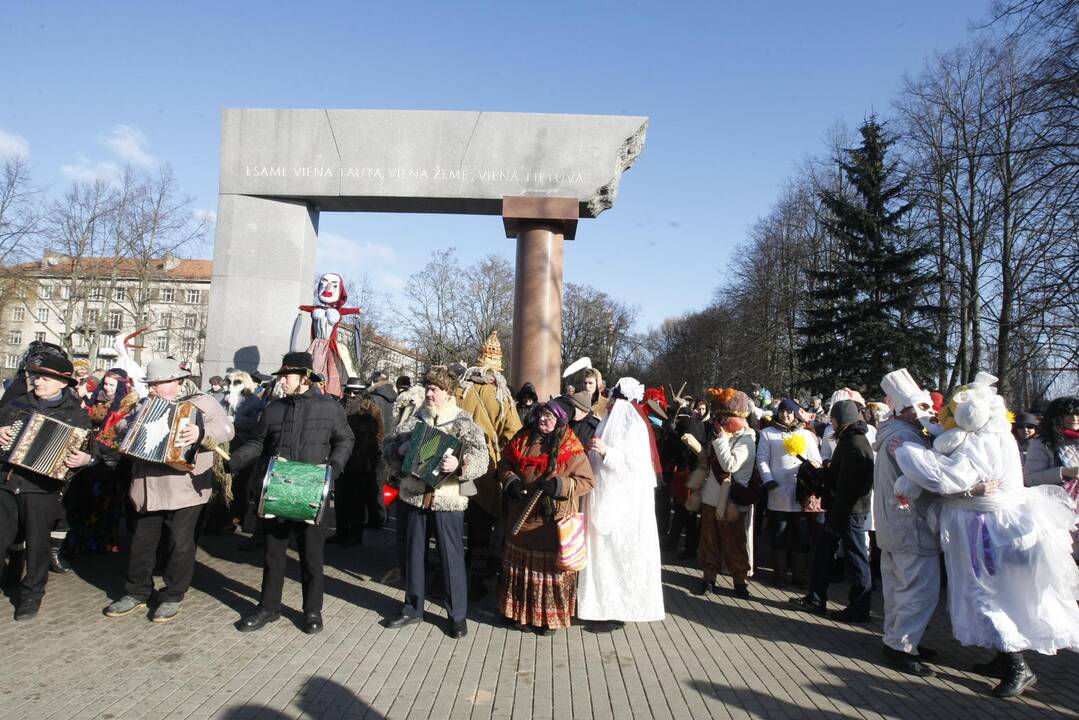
[540, 225]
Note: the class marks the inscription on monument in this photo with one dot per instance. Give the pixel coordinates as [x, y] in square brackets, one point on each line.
[422, 173]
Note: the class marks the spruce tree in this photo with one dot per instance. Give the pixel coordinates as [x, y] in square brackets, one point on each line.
[870, 312]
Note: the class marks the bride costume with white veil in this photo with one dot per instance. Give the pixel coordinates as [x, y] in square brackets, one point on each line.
[1012, 583]
[622, 579]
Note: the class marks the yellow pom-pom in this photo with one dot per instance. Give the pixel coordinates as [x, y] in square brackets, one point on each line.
[795, 444]
[1011, 417]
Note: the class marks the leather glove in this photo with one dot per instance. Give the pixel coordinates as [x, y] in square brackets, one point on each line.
[551, 487]
[514, 488]
[771, 485]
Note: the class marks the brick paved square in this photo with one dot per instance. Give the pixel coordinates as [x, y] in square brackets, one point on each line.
[713, 657]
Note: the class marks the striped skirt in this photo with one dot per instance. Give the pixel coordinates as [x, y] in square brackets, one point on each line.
[532, 591]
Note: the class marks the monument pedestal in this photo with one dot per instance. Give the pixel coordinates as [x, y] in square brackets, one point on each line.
[541, 225]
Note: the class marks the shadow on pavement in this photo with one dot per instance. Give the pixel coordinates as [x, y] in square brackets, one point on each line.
[319, 697]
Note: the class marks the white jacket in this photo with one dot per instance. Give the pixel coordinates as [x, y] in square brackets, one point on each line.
[775, 464]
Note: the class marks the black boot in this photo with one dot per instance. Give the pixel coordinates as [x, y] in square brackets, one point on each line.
[57, 564]
[1017, 677]
[996, 668]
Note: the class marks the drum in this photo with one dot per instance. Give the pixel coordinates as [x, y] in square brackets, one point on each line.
[295, 491]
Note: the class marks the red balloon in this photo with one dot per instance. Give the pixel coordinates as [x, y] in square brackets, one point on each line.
[389, 494]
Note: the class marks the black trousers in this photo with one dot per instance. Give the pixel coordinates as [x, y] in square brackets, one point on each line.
[36, 514]
[310, 539]
[371, 494]
[450, 530]
[348, 505]
[180, 564]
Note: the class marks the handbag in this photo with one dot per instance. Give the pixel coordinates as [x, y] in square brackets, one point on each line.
[572, 556]
[747, 494]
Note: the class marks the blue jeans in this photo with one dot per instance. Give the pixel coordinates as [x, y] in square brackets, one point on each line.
[856, 553]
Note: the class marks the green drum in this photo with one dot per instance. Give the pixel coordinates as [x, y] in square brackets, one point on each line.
[295, 491]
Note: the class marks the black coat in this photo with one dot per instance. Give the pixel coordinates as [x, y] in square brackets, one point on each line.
[585, 428]
[308, 428]
[850, 474]
[70, 411]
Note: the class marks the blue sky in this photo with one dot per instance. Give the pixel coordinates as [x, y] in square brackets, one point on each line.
[738, 94]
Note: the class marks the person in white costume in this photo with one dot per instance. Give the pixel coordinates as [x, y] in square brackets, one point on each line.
[621, 582]
[1012, 584]
[910, 551]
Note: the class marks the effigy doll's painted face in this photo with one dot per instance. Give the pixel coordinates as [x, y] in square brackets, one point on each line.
[329, 289]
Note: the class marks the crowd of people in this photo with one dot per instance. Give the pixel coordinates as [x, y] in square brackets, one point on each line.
[562, 507]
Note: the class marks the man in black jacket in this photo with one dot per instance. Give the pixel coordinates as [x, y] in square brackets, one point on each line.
[304, 426]
[28, 499]
[847, 482]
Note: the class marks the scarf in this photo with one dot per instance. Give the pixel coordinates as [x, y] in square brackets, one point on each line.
[518, 446]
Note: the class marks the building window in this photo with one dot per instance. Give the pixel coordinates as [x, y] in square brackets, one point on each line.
[115, 318]
[119, 294]
[11, 361]
[168, 295]
[39, 336]
[166, 320]
[97, 293]
[14, 337]
[189, 345]
[194, 296]
[191, 320]
[161, 344]
[91, 316]
[43, 315]
[18, 314]
[44, 292]
[65, 292]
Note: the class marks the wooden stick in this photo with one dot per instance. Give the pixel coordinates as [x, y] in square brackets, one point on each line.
[527, 511]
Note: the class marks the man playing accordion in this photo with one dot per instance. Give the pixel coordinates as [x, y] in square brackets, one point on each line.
[166, 496]
[31, 500]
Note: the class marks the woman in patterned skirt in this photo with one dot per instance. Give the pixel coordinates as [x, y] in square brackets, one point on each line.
[545, 457]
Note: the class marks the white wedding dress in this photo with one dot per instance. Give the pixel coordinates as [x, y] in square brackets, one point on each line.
[622, 579]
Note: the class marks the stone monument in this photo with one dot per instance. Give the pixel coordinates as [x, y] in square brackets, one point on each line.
[281, 168]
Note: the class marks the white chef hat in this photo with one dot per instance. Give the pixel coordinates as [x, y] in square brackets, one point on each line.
[903, 392]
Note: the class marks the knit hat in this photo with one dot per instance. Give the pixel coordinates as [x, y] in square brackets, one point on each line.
[845, 412]
[790, 406]
[728, 402]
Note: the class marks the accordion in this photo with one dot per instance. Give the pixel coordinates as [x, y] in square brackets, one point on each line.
[426, 448]
[41, 444]
[152, 433]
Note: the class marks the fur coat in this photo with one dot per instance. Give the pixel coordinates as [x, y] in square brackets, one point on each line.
[452, 494]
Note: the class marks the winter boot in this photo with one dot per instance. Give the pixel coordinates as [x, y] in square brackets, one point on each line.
[1017, 677]
[57, 564]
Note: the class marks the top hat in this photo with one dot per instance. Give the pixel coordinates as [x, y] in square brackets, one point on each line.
[56, 367]
[354, 384]
[299, 363]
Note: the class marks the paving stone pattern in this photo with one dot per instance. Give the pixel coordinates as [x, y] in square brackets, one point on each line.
[713, 657]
